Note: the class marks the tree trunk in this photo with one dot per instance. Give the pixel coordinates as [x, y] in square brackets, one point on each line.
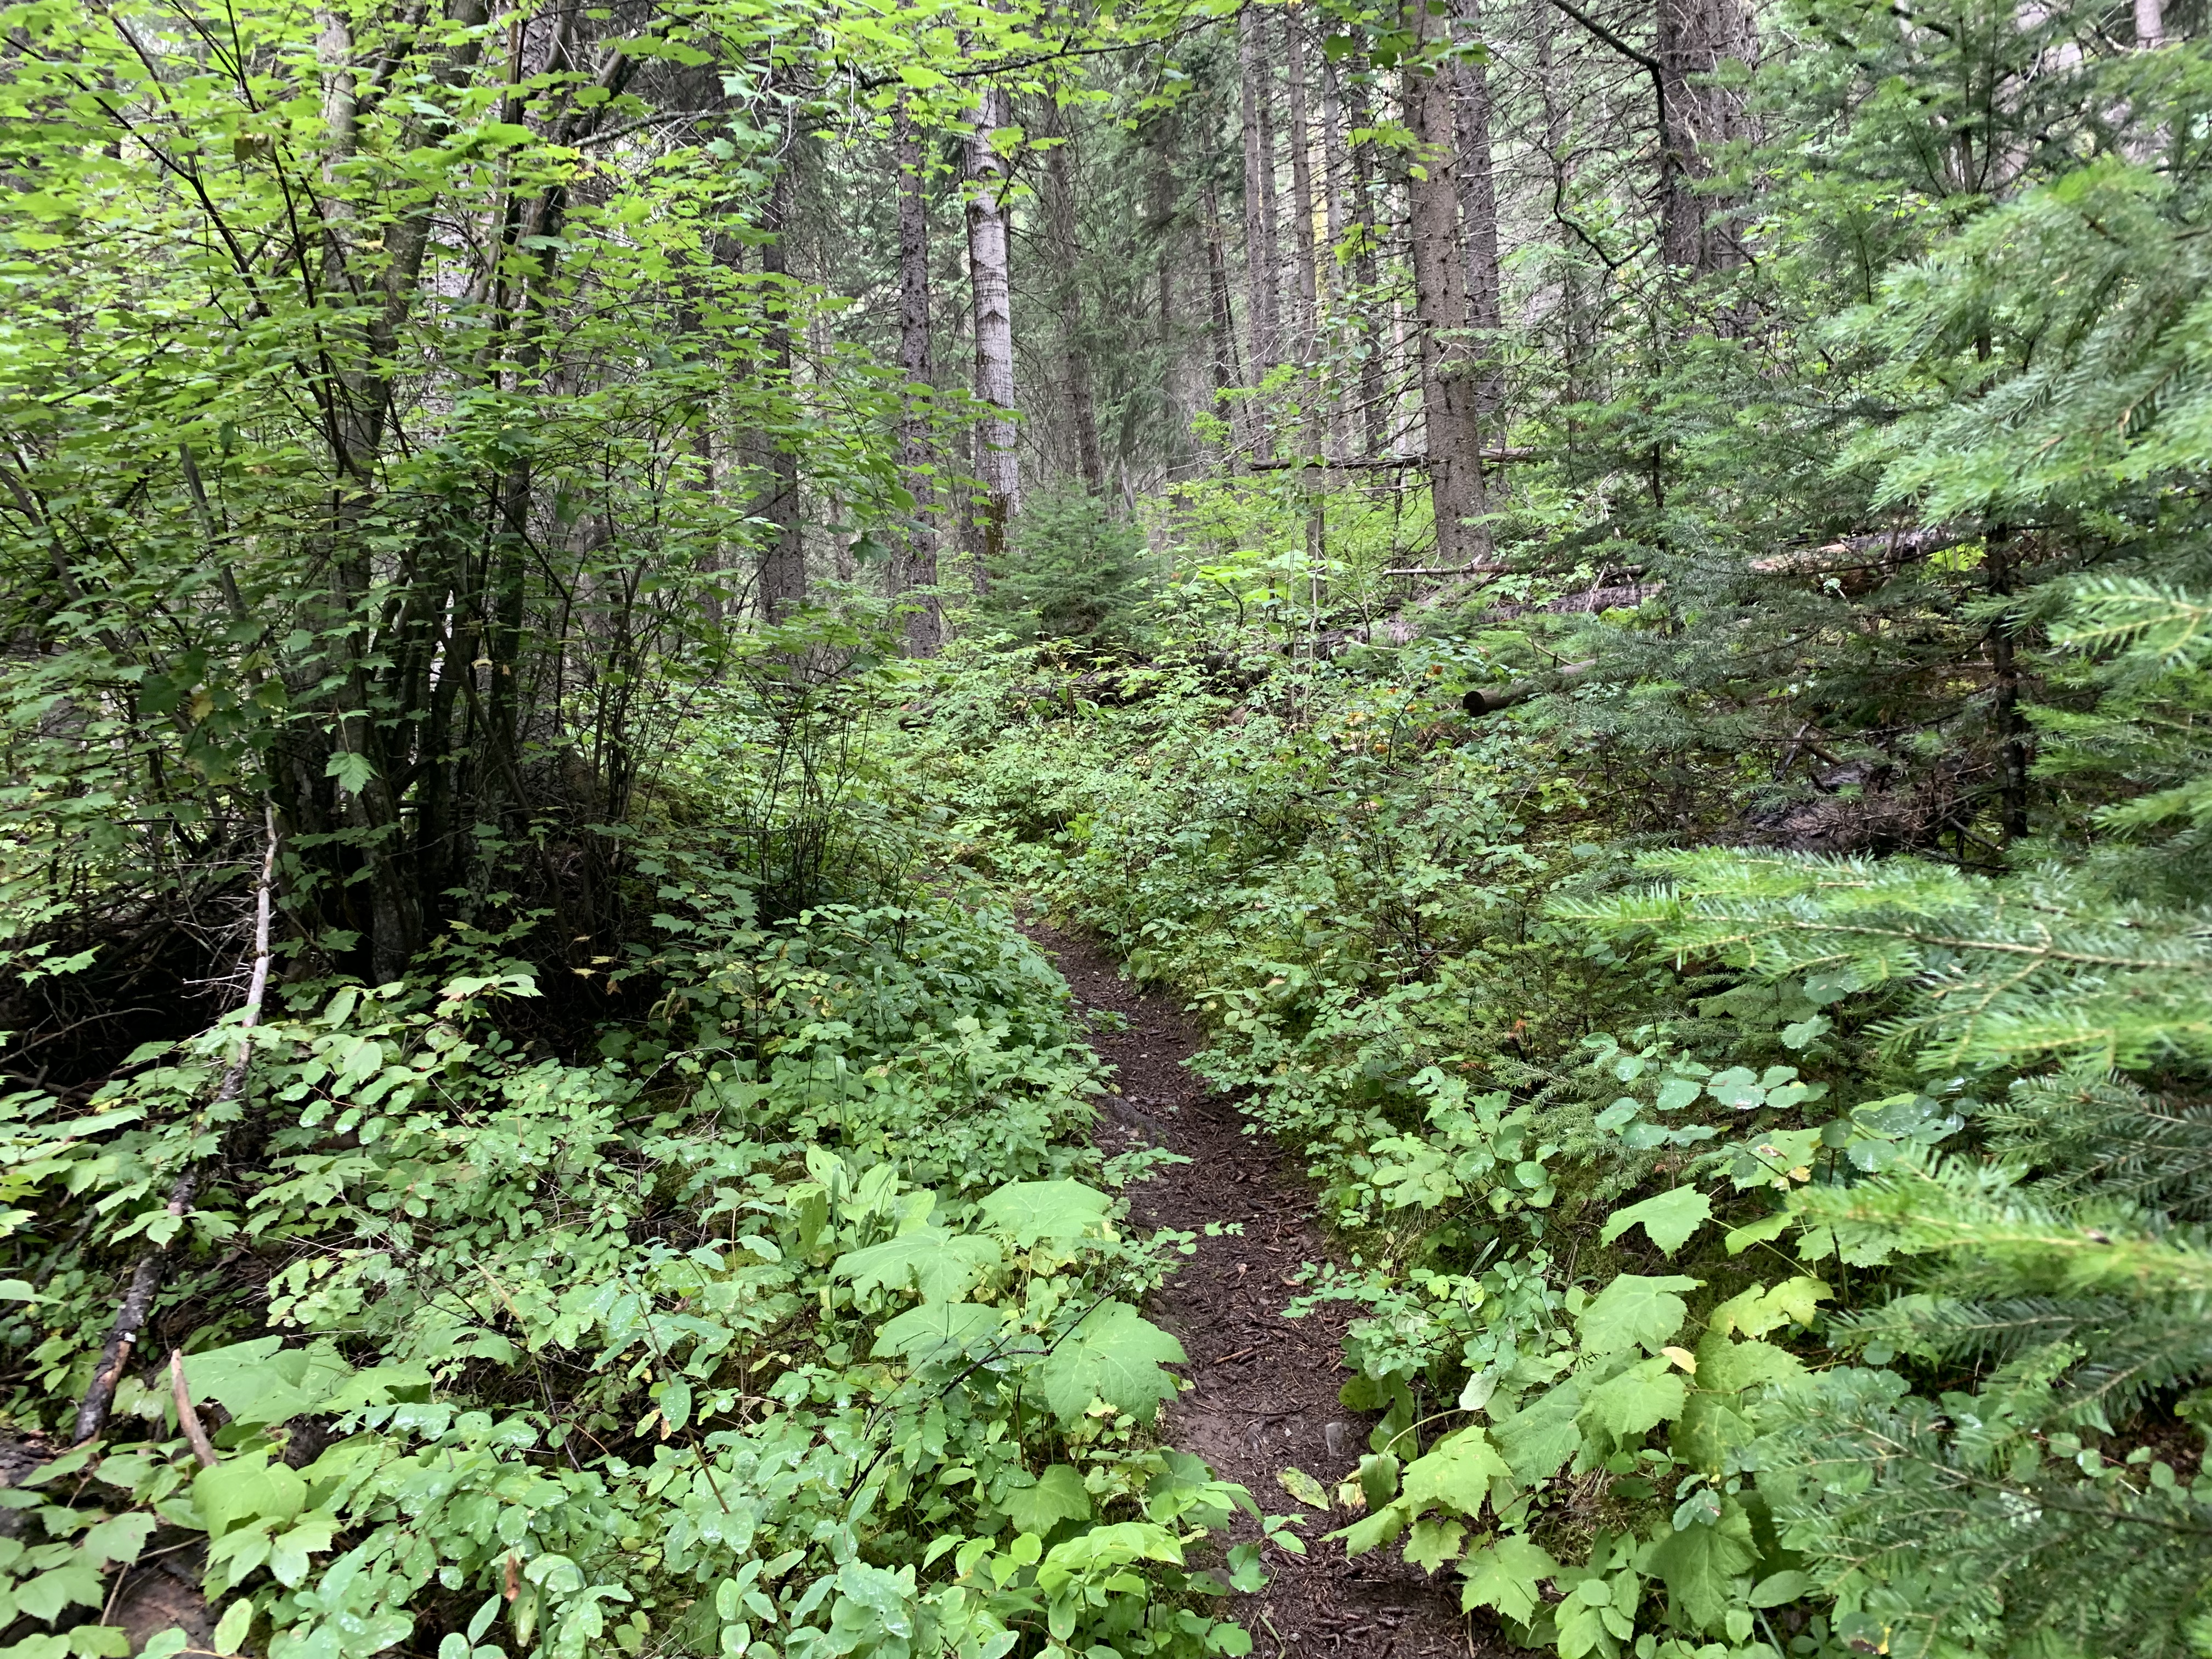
[1478, 208]
[1067, 296]
[1217, 278]
[783, 560]
[1307, 285]
[1439, 259]
[997, 464]
[1260, 253]
[1372, 390]
[915, 565]
[1694, 38]
[1336, 173]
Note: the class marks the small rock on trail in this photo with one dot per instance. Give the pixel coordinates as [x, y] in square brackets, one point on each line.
[1267, 1387]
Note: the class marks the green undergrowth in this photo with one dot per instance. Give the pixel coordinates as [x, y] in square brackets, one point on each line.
[1750, 1255]
[791, 1313]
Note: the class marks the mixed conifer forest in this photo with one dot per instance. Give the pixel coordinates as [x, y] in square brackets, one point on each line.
[1613, 597]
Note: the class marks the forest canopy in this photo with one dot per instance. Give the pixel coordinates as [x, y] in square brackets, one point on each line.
[1616, 594]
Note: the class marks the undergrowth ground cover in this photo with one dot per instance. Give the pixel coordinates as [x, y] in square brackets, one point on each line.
[1651, 689]
[1751, 1253]
[792, 1312]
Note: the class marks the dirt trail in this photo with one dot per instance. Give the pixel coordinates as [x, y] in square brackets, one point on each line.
[1267, 1387]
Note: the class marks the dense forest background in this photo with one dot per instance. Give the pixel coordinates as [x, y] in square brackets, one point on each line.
[1618, 594]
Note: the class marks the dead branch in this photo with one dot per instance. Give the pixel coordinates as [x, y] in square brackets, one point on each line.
[146, 1274]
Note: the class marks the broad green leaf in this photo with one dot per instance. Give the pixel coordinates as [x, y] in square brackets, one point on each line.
[937, 1330]
[1115, 1355]
[1543, 1435]
[76, 1580]
[1703, 1566]
[1739, 1239]
[265, 1382]
[1641, 1398]
[119, 1538]
[1030, 1211]
[1505, 1577]
[288, 1551]
[1101, 1548]
[1668, 1219]
[1634, 1311]
[1759, 1309]
[1779, 1587]
[1058, 1496]
[352, 771]
[1433, 1543]
[1373, 1531]
[246, 1488]
[674, 1400]
[941, 1264]
[1726, 1367]
[236, 1623]
[1737, 1087]
[379, 1385]
[1303, 1488]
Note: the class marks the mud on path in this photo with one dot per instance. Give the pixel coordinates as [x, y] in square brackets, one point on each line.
[1267, 1387]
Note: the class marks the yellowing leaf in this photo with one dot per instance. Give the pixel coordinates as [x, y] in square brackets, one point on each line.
[1456, 1473]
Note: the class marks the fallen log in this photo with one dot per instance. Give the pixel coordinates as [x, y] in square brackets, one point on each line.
[1489, 699]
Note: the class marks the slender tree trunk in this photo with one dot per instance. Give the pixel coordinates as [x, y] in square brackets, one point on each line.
[998, 463]
[1478, 208]
[1259, 254]
[1067, 297]
[915, 563]
[1372, 387]
[1217, 277]
[1566, 311]
[1165, 227]
[1694, 38]
[1335, 181]
[1999, 562]
[2150, 24]
[783, 560]
[1307, 285]
[1439, 260]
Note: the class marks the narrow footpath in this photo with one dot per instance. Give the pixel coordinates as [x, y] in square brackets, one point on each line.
[1267, 1387]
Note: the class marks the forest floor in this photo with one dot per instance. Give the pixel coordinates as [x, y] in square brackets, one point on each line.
[1266, 1394]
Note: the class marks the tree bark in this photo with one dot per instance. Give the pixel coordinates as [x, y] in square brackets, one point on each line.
[1263, 319]
[1225, 374]
[1695, 37]
[1307, 283]
[1478, 207]
[1439, 260]
[915, 565]
[997, 464]
[1373, 390]
[1067, 296]
[783, 560]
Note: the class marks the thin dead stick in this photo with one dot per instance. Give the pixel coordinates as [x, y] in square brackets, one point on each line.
[146, 1275]
[187, 1417]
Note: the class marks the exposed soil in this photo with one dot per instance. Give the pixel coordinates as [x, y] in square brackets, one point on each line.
[1265, 1397]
